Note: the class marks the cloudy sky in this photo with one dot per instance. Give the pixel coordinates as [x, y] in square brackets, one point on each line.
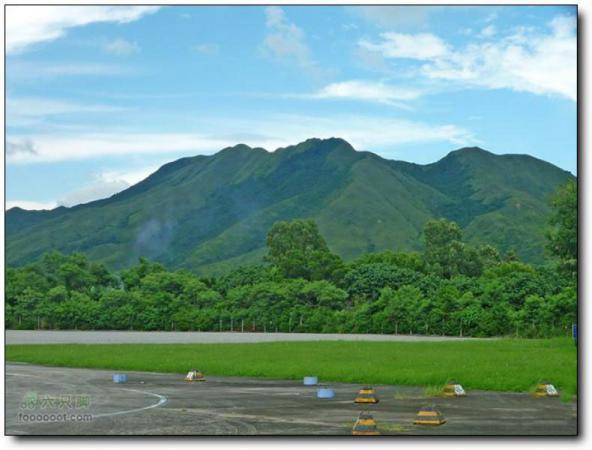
[99, 97]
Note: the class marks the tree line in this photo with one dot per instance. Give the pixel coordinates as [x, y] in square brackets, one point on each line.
[451, 288]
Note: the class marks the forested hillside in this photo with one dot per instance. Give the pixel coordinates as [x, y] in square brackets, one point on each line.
[453, 287]
[211, 213]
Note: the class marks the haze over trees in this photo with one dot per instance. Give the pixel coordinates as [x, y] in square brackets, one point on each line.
[451, 287]
[209, 214]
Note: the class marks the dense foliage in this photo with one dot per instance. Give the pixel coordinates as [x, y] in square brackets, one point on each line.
[452, 288]
[209, 214]
[563, 236]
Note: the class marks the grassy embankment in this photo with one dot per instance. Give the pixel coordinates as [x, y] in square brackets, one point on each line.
[503, 365]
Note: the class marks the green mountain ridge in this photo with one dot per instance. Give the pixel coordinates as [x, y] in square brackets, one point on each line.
[208, 213]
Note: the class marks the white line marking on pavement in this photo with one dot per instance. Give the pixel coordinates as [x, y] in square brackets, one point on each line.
[161, 401]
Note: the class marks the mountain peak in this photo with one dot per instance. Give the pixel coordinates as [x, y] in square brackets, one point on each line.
[236, 148]
[316, 144]
[470, 151]
[211, 212]
[330, 141]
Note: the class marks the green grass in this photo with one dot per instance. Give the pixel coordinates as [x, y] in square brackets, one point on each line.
[504, 364]
[434, 391]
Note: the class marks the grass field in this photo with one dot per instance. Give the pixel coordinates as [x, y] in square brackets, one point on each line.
[503, 365]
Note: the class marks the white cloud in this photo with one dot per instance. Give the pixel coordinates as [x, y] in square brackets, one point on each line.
[376, 133]
[395, 16]
[286, 41]
[121, 47]
[25, 70]
[19, 147]
[564, 26]
[27, 25]
[367, 91]
[30, 205]
[370, 60]
[544, 64]
[349, 26]
[91, 192]
[54, 147]
[105, 184]
[488, 31]
[367, 132]
[40, 106]
[34, 111]
[373, 133]
[491, 17]
[207, 49]
[528, 60]
[422, 46]
[130, 176]
[379, 134]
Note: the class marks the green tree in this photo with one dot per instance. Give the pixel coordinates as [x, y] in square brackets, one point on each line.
[299, 251]
[323, 294]
[133, 276]
[403, 260]
[364, 281]
[442, 239]
[489, 255]
[563, 235]
[446, 255]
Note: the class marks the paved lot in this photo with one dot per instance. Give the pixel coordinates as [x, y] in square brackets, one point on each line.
[164, 404]
[163, 337]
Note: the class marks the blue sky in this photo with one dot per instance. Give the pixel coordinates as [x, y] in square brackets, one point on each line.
[99, 97]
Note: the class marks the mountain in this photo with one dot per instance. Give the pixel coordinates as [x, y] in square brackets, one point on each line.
[209, 213]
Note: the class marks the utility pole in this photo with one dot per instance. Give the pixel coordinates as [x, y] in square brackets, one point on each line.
[242, 325]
